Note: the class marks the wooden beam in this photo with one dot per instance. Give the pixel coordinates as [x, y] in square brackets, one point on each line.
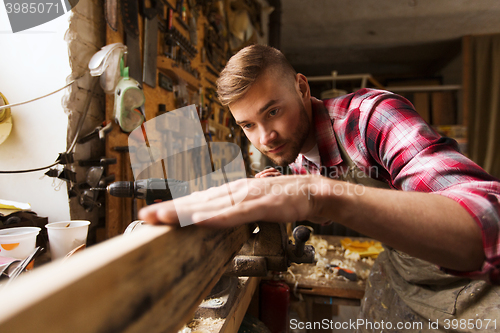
[151, 280]
[424, 88]
[235, 317]
[421, 101]
[466, 78]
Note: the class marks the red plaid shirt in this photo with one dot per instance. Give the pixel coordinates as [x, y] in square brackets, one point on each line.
[382, 131]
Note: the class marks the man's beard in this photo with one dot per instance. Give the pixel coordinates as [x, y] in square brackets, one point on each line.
[292, 151]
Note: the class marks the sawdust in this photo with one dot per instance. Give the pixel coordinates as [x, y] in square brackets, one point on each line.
[203, 325]
[327, 255]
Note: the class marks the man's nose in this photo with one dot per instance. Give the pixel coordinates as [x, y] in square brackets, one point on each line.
[267, 136]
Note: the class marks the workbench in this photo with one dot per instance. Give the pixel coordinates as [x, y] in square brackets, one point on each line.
[321, 294]
[333, 287]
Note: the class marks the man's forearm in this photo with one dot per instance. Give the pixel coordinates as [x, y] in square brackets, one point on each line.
[428, 226]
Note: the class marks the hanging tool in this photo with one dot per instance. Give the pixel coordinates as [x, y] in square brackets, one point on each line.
[151, 43]
[111, 13]
[130, 12]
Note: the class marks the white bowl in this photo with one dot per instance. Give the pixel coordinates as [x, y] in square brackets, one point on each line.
[18, 242]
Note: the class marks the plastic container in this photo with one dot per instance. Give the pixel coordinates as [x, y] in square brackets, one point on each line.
[18, 242]
[66, 236]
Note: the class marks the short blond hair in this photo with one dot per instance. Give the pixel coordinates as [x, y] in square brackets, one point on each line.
[246, 66]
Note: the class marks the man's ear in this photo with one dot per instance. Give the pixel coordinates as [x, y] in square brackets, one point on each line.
[303, 86]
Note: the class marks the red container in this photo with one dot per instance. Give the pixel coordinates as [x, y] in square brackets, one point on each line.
[274, 305]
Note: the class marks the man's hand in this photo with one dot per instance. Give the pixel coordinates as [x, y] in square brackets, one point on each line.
[270, 172]
[275, 199]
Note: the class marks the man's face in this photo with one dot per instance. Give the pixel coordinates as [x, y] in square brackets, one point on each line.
[273, 116]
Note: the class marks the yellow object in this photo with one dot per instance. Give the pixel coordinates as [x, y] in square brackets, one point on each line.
[8, 207]
[7, 204]
[364, 249]
[5, 119]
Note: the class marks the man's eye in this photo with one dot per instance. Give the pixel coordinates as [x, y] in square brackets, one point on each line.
[246, 126]
[273, 112]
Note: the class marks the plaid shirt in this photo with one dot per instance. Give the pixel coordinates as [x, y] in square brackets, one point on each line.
[381, 131]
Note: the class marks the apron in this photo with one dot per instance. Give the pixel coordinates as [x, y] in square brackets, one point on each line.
[407, 294]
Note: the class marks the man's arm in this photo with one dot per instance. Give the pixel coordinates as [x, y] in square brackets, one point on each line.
[428, 226]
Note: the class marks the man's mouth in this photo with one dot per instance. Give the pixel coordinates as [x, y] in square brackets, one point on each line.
[278, 149]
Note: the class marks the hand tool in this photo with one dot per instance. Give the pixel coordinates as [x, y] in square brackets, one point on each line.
[153, 190]
[111, 14]
[175, 37]
[347, 273]
[150, 43]
[130, 12]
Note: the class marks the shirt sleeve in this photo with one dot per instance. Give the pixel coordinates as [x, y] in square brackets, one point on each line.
[419, 159]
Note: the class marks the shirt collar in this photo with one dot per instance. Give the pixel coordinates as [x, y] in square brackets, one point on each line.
[325, 137]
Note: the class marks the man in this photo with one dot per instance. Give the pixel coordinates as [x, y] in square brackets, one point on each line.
[445, 212]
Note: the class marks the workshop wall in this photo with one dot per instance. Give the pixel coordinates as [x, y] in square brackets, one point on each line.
[85, 36]
[34, 63]
[48, 127]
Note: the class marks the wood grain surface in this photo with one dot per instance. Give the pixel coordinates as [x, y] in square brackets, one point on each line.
[151, 280]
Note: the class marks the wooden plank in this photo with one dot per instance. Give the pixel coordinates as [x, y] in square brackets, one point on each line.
[235, 317]
[466, 78]
[232, 322]
[151, 280]
[377, 84]
[443, 108]
[422, 104]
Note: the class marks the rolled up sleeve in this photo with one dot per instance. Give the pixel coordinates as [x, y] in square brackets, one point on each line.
[418, 159]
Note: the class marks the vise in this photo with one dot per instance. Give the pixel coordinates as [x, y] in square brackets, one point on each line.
[270, 249]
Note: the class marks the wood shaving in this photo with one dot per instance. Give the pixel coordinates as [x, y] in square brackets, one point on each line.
[320, 271]
[351, 255]
[203, 325]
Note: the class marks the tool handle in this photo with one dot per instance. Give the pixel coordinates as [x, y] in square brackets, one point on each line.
[301, 235]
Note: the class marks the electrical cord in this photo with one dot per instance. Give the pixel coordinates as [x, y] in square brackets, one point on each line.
[85, 111]
[79, 127]
[31, 170]
[35, 99]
